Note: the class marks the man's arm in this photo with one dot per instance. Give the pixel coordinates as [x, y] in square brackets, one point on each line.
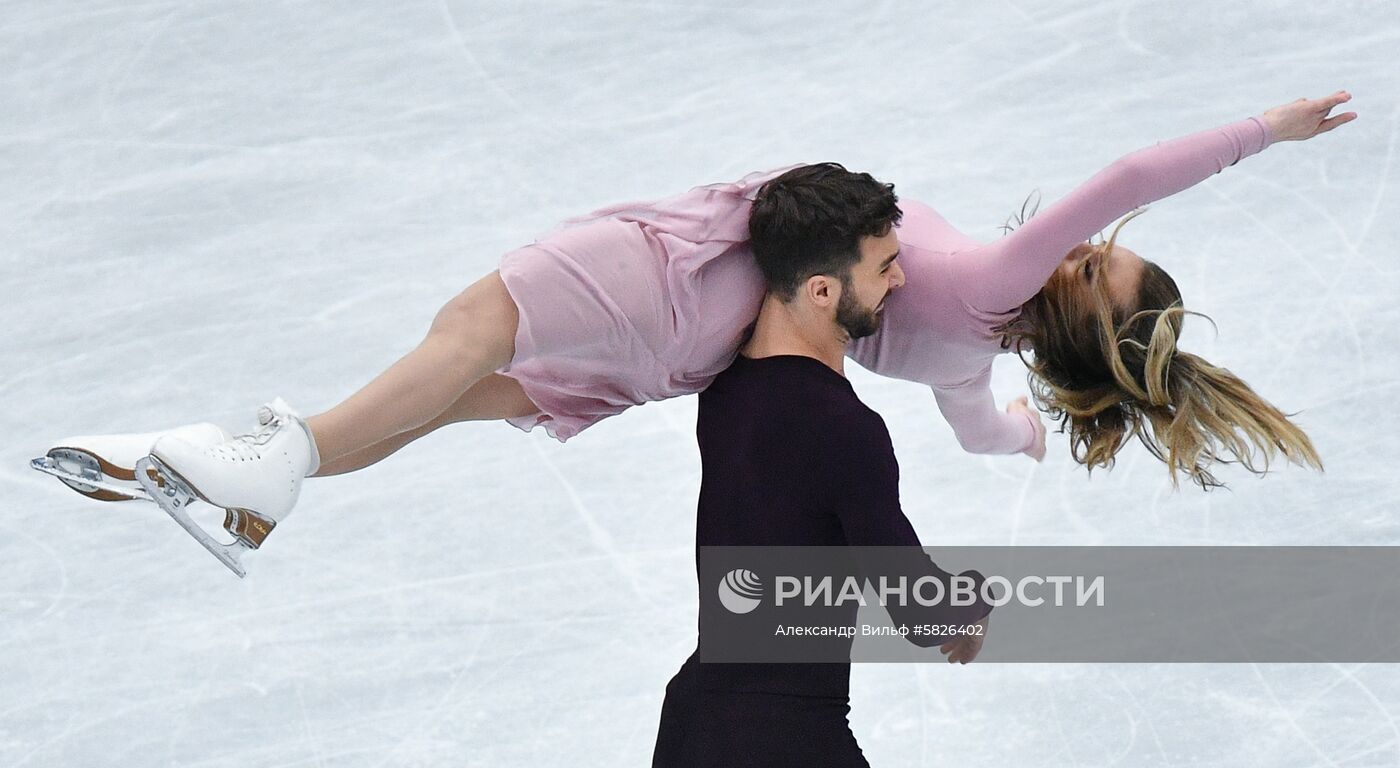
[864, 488]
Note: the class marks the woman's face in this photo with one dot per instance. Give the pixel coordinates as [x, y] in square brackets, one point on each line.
[1120, 272]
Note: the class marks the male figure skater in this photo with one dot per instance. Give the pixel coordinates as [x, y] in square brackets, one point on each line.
[791, 457]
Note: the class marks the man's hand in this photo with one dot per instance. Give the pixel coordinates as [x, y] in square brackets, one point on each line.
[964, 649]
[1021, 405]
[1306, 118]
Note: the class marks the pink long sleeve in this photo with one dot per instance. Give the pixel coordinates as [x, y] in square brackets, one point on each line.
[977, 422]
[1013, 269]
[938, 328]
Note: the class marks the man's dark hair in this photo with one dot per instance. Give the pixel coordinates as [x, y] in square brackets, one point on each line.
[810, 220]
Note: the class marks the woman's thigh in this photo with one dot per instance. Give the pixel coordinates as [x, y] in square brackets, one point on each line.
[596, 290]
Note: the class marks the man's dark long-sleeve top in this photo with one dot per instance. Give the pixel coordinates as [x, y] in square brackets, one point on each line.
[791, 457]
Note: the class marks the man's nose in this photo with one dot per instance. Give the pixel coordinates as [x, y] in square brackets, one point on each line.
[896, 277]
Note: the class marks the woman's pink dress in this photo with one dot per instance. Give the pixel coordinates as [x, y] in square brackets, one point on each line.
[650, 300]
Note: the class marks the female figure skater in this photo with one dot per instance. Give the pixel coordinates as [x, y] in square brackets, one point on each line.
[647, 301]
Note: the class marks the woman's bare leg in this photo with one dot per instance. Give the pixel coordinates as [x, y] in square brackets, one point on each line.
[470, 338]
[494, 397]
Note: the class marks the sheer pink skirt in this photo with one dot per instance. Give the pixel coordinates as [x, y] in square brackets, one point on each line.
[639, 302]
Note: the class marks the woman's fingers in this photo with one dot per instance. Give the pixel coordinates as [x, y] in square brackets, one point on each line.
[1321, 107]
[1306, 118]
[1327, 102]
[1327, 105]
[1333, 122]
[1340, 97]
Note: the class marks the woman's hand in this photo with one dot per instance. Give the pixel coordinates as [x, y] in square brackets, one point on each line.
[1020, 406]
[1306, 118]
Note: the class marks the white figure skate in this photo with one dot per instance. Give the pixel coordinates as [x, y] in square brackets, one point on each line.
[254, 478]
[103, 467]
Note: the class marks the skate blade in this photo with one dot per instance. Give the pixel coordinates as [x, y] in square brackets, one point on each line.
[172, 494]
[91, 483]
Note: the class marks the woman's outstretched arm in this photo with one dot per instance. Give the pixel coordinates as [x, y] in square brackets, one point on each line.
[1005, 274]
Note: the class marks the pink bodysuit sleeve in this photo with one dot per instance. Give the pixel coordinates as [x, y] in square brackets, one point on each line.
[1001, 276]
[979, 426]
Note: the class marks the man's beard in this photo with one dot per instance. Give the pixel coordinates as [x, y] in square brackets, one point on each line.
[858, 321]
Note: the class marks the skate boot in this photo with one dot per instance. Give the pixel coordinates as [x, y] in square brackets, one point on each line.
[254, 478]
[103, 467]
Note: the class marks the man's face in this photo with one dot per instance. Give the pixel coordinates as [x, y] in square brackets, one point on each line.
[871, 281]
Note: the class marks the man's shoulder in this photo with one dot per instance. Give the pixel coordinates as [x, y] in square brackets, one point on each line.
[841, 416]
[861, 422]
[801, 390]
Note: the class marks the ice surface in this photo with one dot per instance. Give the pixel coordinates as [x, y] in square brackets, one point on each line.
[204, 205]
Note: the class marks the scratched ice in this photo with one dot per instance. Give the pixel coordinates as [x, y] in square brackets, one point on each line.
[205, 205]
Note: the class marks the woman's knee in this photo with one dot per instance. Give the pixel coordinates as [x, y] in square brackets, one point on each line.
[480, 322]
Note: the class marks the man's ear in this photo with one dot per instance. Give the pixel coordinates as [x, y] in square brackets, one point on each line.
[822, 290]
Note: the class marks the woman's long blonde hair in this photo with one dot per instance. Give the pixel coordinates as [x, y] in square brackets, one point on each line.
[1108, 374]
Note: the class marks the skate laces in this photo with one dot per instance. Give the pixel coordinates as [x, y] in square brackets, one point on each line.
[246, 447]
